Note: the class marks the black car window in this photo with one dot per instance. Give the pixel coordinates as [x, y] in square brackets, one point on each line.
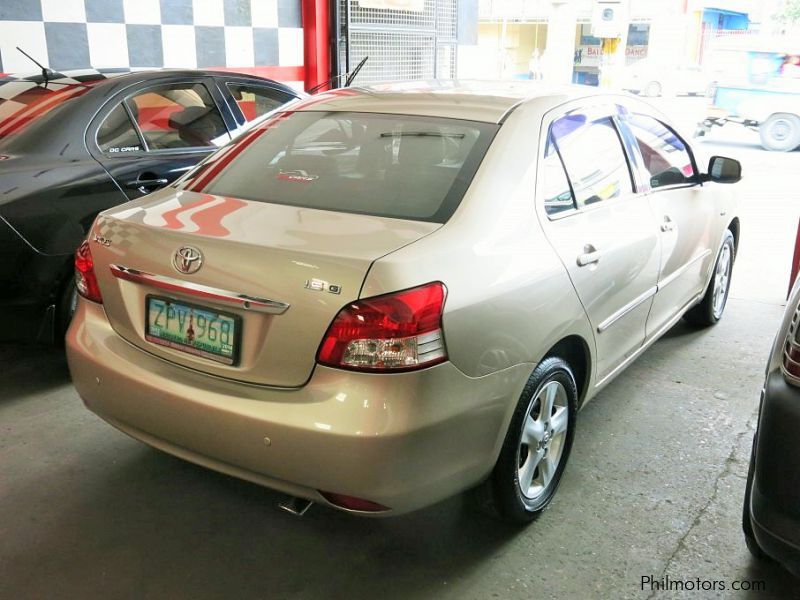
[178, 116]
[665, 157]
[25, 105]
[593, 157]
[255, 101]
[117, 133]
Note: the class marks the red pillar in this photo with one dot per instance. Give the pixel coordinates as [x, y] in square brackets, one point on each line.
[316, 48]
[795, 261]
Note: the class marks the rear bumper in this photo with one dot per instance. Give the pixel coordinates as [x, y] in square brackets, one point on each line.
[775, 495]
[404, 440]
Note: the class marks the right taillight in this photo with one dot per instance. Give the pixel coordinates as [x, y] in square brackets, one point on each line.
[395, 332]
[85, 278]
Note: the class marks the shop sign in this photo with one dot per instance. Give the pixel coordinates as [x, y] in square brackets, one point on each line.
[589, 56]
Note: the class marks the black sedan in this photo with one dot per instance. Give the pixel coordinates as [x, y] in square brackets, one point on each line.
[73, 144]
[771, 516]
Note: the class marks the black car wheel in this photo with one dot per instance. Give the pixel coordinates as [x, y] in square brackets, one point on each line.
[65, 309]
[711, 307]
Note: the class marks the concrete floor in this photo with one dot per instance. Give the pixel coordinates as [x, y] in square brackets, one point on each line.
[654, 486]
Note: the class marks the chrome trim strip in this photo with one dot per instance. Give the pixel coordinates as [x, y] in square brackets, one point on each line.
[626, 309]
[197, 290]
[647, 343]
[678, 272]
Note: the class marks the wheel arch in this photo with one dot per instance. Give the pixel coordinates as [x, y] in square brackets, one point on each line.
[575, 351]
[734, 228]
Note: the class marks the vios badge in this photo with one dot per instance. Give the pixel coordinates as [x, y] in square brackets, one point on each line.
[318, 285]
[187, 259]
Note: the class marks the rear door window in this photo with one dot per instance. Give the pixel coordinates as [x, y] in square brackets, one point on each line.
[178, 116]
[117, 134]
[255, 101]
[555, 186]
[387, 165]
[593, 157]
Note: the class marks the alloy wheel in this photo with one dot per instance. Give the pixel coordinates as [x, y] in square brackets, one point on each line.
[542, 442]
[722, 276]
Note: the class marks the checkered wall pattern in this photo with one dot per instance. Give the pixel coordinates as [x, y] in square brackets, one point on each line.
[140, 34]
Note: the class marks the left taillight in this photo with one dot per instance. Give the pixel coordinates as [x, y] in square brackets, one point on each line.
[85, 278]
[395, 332]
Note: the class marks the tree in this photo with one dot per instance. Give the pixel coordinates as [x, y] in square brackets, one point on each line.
[790, 12]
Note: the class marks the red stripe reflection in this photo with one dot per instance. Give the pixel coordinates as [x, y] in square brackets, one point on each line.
[209, 220]
[171, 216]
[222, 159]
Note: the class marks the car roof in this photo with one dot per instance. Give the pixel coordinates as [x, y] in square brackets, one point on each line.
[85, 76]
[474, 100]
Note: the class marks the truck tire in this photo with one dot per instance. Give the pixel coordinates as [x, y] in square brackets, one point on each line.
[780, 132]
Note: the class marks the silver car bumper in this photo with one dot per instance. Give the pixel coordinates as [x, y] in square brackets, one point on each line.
[402, 440]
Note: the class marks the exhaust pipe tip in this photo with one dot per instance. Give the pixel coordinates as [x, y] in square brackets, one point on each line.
[295, 506]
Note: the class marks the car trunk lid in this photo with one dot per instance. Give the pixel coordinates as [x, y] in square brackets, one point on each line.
[308, 262]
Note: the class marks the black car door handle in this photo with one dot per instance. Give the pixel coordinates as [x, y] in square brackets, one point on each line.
[147, 183]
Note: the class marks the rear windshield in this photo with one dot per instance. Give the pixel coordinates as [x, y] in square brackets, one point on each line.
[386, 165]
[23, 103]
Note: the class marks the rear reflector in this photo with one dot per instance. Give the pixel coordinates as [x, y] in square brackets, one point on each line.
[395, 332]
[353, 503]
[85, 278]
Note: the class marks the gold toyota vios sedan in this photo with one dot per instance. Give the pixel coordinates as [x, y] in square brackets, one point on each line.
[381, 297]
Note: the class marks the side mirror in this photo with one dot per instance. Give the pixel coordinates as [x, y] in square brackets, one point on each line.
[723, 170]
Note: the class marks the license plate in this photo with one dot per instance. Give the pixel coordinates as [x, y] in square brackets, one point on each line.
[194, 329]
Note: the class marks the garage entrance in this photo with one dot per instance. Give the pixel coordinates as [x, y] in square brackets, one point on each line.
[404, 39]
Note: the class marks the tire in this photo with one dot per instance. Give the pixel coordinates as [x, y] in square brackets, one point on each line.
[653, 89]
[540, 468]
[747, 525]
[65, 309]
[712, 306]
[780, 132]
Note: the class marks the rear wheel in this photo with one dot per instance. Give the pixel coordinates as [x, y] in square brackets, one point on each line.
[537, 444]
[653, 89]
[711, 307]
[781, 132]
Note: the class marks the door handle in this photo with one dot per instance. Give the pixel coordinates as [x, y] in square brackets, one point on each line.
[145, 185]
[667, 225]
[590, 256]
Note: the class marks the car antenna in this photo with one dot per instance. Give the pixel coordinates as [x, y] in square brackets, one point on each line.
[47, 74]
[348, 81]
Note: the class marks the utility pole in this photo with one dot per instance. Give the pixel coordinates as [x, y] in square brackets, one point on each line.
[558, 58]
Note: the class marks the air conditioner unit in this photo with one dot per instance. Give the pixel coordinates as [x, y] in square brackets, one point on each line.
[610, 18]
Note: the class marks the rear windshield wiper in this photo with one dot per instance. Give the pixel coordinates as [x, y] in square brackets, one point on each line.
[458, 136]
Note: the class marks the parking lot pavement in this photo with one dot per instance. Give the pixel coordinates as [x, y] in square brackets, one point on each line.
[653, 489]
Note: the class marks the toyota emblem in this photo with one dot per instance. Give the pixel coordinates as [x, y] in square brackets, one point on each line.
[188, 259]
